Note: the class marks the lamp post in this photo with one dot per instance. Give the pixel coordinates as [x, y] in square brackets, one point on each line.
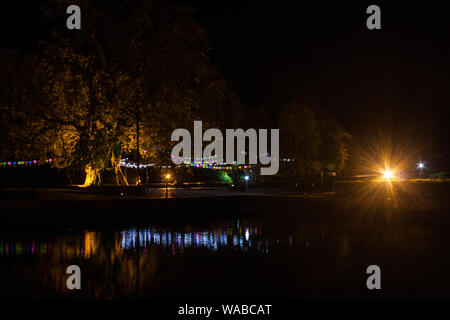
[167, 177]
[420, 166]
[137, 151]
[246, 178]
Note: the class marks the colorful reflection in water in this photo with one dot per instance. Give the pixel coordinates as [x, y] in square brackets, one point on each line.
[129, 261]
[230, 258]
[89, 243]
[83, 246]
[242, 238]
[19, 248]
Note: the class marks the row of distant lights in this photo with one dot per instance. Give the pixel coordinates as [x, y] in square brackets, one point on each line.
[25, 163]
[214, 159]
[205, 166]
[199, 163]
[126, 164]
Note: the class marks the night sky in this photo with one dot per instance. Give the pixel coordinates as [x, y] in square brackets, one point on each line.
[392, 81]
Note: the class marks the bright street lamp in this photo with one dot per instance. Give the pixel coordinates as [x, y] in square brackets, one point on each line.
[387, 174]
[167, 176]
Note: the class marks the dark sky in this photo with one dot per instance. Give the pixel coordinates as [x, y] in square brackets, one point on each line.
[273, 53]
[391, 83]
[394, 80]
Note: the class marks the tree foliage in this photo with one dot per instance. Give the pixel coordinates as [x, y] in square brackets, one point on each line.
[80, 97]
[314, 141]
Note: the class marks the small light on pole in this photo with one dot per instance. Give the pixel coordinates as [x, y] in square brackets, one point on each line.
[420, 166]
[246, 178]
[167, 176]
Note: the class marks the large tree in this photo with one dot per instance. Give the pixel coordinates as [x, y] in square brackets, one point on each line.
[86, 91]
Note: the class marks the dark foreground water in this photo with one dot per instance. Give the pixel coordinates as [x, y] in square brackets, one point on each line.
[259, 248]
[151, 260]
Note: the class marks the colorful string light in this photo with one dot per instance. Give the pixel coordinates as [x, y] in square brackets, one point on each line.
[25, 163]
[203, 165]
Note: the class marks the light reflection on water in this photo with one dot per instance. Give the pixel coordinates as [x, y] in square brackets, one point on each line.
[88, 244]
[18, 248]
[243, 238]
[145, 261]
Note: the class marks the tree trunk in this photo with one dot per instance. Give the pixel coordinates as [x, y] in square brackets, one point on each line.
[92, 176]
[120, 177]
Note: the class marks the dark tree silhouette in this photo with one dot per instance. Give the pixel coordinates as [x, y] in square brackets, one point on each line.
[316, 142]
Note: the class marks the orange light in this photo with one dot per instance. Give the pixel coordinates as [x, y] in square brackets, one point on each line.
[387, 174]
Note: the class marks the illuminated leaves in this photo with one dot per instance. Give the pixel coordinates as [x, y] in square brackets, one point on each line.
[79, 98]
